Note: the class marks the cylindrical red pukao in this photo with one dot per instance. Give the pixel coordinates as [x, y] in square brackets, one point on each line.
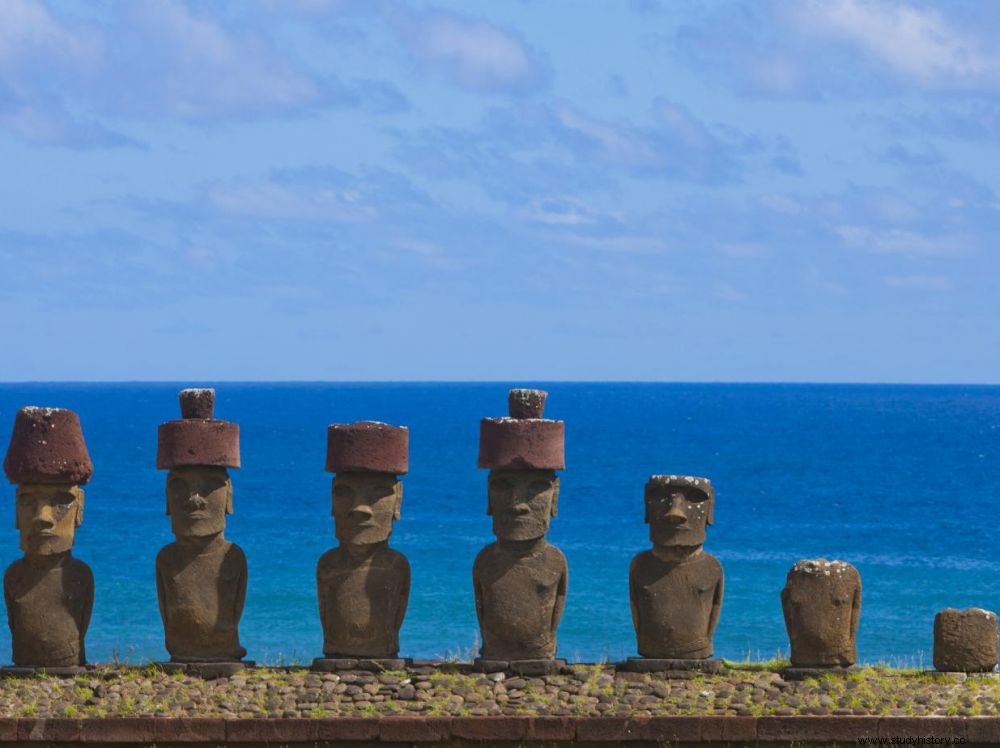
[367, 446]
[519, 443]
[47, 446]
[198, 439]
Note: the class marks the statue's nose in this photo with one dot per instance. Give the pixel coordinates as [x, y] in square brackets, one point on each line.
[520, 508]
[196, 501]
[675, 515]
[362, 513]
[43, 517]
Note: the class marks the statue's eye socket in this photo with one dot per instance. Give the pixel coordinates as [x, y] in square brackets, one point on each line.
[538, 486]
[63, 499]
[343, 492]
[501, 485]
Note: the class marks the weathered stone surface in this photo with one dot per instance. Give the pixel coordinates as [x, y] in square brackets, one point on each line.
[520, 581]
[367, 446]
[821, 602]
[676, 588]
[363, 585]
[49, 594]
[965, 641]
[198, 439]
[47, 446]
[653, 665]
[201, 578]
[523, 403]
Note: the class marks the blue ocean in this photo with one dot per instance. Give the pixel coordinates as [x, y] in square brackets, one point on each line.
[902, 481]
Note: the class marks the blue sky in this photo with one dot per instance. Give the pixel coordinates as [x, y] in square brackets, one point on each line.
[534, 190]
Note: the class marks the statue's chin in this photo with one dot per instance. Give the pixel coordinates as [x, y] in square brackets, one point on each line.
[668, 537]
[198, 530]
[519, 533]
[46, 546]
[364, 537]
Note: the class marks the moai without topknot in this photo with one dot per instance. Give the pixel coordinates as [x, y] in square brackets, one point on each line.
[364, 585]
[201, 578]
[821, 602]
[520, 580]
[49, 593]
[965, 641]
[676, 588]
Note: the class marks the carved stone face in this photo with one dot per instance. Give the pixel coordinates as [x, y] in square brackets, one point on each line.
[364, 506]
[677, 515]
[522, 502]
[47, 517]
[198, 500]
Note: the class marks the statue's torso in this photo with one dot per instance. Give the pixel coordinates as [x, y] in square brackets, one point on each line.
[201, 601]
[48, 611]
[518, 598]
[362, 601]
[820, 615]
[673, 604]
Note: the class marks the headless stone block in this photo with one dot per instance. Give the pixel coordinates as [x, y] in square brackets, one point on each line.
[519, 582]
[201, 579]
[363, 585]
[965, 641]
[676, 588]
[821, 602]
[49, 594]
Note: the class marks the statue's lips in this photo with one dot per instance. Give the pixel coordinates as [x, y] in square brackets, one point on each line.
[196, 514]
[45, 534]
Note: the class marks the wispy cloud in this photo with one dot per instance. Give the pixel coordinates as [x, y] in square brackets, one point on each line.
[917, 43]
[920, 282]
[474, 54]
[899, 242]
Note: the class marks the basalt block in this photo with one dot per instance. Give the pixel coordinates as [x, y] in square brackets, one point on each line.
[530, 668]
[369, 665]
[655, 665]
[367, 446]
[821, 603]
[47, 446]
[965, 641]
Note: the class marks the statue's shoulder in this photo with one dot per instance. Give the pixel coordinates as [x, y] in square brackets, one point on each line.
[14, 571]
[78, 571]
[710, 563]
[554, 556]
[234, 553]
[395, 559]
[643, 560]
[486, 554]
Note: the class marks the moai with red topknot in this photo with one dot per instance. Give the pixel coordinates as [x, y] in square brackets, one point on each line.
[49, 593]
[201, 578]
[821, 603]
[676, 588]
[363, 585]
[520, 580]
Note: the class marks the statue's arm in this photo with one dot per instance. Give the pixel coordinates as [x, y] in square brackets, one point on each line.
[161, 592]
[404, 595]
[713, 618]
[632, 593]
[856, 610]
[477, 591]
[321, 594]
[88, 602]
[557, 610]
[241, 590]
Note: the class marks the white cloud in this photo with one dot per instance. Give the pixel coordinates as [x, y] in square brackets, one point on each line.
[925, 282]
[284, 202]
[898, 242]
[476, 54]
[626, 244]
[917, 43]
[27, 29]
[617, 144]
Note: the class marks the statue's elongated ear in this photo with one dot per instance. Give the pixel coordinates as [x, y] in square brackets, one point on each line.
[555, 497]
[79, 507]
[489, 506]
[229, 495]
[398, 490]
[711, 511]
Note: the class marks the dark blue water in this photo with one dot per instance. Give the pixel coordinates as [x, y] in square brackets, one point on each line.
[901, 481]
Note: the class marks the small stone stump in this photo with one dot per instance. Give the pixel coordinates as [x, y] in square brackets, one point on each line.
[965, 641]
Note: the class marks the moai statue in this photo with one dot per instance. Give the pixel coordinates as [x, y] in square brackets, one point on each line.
[520, 580]
[676, 588]
[364, 585]
[965, 641]
[822, 606]
[201, 579]
[49, 593]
